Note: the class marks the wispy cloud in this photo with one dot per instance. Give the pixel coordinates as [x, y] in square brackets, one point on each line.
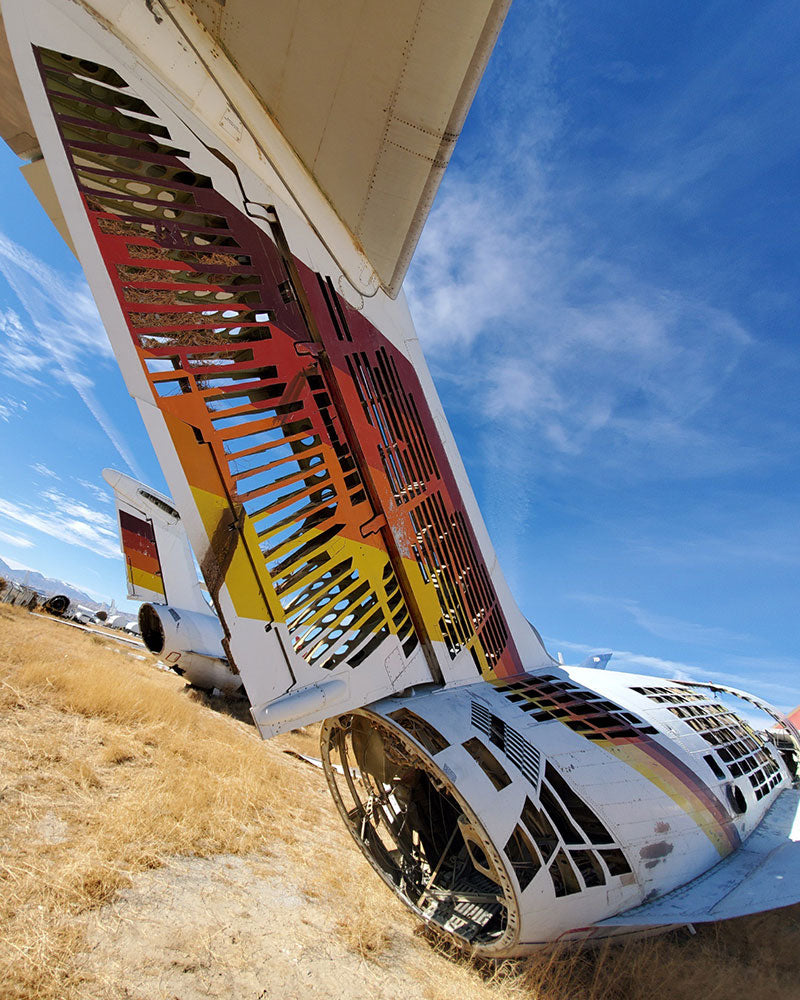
[18, 540]
[69, 521]
[10, 407]
[44, 470]
[97, 491]
[61, 338]
[570, 348]
[663, 626]
[719, 110]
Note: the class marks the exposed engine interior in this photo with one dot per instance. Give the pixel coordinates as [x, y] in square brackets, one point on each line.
[152, 629]
[417, 831]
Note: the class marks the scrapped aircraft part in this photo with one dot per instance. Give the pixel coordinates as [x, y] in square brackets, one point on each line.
[590, 809]
[419, 833]
[58, 604]
[509, 801]
[735, 746]
[190, 643]
[762, 875]
[304, 443]
[372, 105]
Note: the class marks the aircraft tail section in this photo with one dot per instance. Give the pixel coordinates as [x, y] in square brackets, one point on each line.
[158, 559]
[296, 422]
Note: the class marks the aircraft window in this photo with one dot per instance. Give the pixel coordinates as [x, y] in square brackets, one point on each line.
[540, 828]
[615, 861]
[172, 387]
[565, 881]
[589, 868]
[523, 857]
[735, 741]
[584, 711]
[422, 731]
[711, 760]
[71, 64]
[487, 762]
[591, 825]
[559, 817]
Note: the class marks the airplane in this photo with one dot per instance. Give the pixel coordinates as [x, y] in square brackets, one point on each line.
[244, 185]
[60, 606]
[175, 620]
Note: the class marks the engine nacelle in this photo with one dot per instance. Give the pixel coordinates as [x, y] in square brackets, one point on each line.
[511, 815]
[190, 643]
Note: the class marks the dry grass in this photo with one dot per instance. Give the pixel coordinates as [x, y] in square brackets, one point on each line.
[108, 768]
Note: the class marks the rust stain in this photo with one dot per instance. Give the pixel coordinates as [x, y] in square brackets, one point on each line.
[657, 851]
[217, 560]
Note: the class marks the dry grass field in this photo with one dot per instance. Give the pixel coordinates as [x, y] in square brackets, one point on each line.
[151, 846]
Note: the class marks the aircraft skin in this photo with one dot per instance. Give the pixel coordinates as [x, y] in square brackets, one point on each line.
[175, 621]
[505, 798]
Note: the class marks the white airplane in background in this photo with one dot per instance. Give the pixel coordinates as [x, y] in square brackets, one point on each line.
[244, 184]
[175, 620]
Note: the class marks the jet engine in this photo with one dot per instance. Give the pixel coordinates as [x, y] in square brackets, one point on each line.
[58, 604]
[190, 643]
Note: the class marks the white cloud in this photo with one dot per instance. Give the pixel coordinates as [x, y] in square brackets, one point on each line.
[18, 540]
[97, 491]
[43, 470]
[11, 408]
[664, 626]
[63, 337]
[69, 521]
[561, 345]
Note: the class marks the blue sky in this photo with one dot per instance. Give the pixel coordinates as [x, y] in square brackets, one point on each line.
[607, 292]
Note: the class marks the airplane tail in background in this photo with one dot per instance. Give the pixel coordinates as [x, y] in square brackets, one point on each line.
[158, 559]
[175, 619]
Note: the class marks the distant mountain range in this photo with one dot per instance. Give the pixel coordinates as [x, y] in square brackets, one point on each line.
[48, 586]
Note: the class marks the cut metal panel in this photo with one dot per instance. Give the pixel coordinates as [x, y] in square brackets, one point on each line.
[764, 873]
[311, 455]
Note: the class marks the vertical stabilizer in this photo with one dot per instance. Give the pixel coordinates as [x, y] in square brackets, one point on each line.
[158, 559]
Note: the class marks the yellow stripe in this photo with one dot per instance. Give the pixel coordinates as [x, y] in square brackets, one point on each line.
[683, 796]
[141, 579]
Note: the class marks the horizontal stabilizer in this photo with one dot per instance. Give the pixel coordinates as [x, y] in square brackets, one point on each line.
[763, 874]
